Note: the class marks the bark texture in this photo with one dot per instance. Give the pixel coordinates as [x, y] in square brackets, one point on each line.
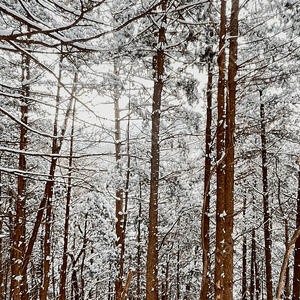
[220, 207]
[267, 217]
[152, 251]
[120, 243]
[206, 201]
[296, 278]
[229, 149]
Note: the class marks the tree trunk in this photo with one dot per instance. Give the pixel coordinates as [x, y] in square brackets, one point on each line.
[75, 286]
[120, 243]
[152, 251]
[257, 274]
[205, 213]
[47, 247]
[286, 291]
[285, 262]
[229, 149]
[220, 205]
[18, 278]
[267, 217]
[244, 274]
[252, 269]
[287, 275]
[138, 275]
[63, 270]
[296, 278]
[83, 259]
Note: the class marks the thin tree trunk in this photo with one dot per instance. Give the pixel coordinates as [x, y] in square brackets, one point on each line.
[252, 268]
[83, 258]
[287, 277]
[296, 278]
[152, 251]
[205, 287]
[120, 243]
[138, 280]
[47, 247]
[63, 270]
[229, 148]
[244, 274]
[267, 217]
[220, 205]
[18, 278]
[285, 262]
[257, 274]
[127, 284]
[75, 286]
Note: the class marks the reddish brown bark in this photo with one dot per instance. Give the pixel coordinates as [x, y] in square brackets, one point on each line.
[152, 251]
[286, 291]
[220, 205]
[18, 277]
[285, 262]
[287, 274]
[207, 175]
[229, 149]
[267, 217]
[296, 278]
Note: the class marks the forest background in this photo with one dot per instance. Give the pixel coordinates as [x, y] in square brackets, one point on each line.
[149, 149]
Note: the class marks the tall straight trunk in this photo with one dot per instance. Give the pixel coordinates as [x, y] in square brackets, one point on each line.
[47, 247]
[220, 205]
[205, 288]
[296, 278]
[286, 291]
[255, 276]
[18, 278]
[287, 274]
[85, 240]
[138, 275]
[63, 270]
[267, 217]
[252, 270]
[152, 251]
[120, 243]
[126, 194]
[229, 149]
[244, 273]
